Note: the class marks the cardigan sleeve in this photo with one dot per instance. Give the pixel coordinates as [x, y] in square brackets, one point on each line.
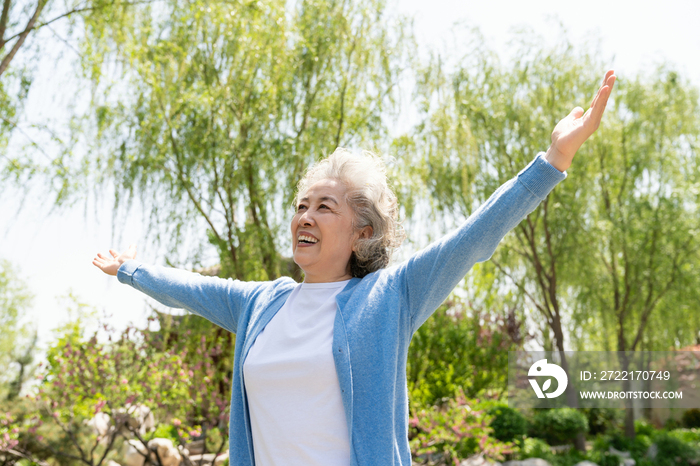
[218, 300]
[428, 277]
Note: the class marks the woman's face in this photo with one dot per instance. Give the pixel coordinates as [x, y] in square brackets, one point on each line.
[322, 233]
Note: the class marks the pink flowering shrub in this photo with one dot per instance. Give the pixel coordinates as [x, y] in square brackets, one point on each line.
[85, 377]
[8, 432]
[455, 431]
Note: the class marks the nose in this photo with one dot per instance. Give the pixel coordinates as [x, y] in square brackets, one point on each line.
[306, 219]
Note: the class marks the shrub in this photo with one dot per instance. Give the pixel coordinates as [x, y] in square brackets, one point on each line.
[691, 436]
[558, 426]
[454, 431]
[457, 347]
[508, 424]
[85, 377]
[637, 446]
[691, 418]
[602, 420]
[673, 451]
[606, 459]
[672, 423]
[642, 427]
[536, 448]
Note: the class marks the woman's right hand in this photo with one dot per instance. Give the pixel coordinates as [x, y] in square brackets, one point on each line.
[110, 264]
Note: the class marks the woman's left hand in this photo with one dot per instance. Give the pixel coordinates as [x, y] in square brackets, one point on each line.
[571, 132]
[110, 264]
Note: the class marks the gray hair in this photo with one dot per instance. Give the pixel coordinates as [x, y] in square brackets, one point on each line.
[372, 201]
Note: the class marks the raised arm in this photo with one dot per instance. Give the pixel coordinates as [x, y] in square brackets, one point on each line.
[216, 299]
[428, 277]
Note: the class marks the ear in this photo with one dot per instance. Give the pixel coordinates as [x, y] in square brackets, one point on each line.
[365, 233]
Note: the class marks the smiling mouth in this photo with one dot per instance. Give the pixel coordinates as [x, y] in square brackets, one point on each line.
[306, 240]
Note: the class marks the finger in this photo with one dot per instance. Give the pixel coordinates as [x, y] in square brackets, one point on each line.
[104, 257]
[604, 96]
[114, 253]
[596, 113]
[608, 74]
[575, 113]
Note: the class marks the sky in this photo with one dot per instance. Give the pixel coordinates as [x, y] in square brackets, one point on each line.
[53, 251]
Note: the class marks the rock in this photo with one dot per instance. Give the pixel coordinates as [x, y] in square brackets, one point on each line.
[220, 459]
[196, 447]
[621, 454]
[528, 462]
[586, 463]
[561, 448]
[207, 458]
[168, 454]
[100, 424]
[652, 451]
[625, 456]
[137, 417]
[478, 460]
[136, 452]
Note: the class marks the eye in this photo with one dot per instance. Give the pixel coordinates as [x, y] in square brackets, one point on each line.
[300, 207]
[323, 206]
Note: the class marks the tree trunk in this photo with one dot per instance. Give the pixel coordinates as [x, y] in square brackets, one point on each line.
[571, 398]
[626, 387]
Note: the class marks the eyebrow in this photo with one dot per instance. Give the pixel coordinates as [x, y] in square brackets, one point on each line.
[322, 199]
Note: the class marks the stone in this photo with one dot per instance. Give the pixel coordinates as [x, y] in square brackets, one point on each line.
[136, 452]
[168, 454]
[100, 423]
[478, 460]
[196, 447]
[561, 448]
[137, 417]
[625, 456]
[621, 454]
[528, 462]
[207, 459]
[652, 451]
[586, 463]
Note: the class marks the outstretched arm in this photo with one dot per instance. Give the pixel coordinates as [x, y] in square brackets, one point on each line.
[216, 299]
[430, 275]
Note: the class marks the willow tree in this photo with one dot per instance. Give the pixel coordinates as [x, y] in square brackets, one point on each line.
[209, 112]
[645, 212]
[602, 251]
[485, 121]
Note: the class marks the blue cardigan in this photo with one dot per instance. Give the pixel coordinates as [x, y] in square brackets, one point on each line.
[376, 318]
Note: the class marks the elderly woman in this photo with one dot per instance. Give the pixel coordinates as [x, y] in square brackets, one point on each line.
[319, 373]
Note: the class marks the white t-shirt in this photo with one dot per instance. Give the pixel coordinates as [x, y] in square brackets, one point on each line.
[296, 411]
